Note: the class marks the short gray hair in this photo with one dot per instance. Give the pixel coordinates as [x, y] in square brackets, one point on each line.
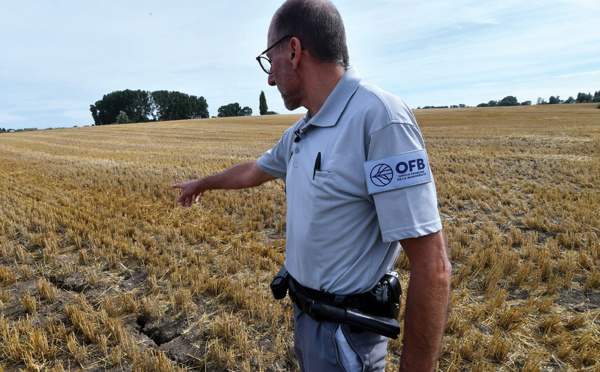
[319, 27]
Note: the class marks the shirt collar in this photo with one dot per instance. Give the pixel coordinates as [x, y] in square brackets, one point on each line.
[335, 104]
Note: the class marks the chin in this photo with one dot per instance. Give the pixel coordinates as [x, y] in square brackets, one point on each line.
[290, 104]
[291, 107]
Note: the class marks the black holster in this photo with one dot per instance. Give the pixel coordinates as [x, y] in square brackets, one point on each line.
[279, 285]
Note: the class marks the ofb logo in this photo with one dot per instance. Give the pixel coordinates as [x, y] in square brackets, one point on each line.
[382, 175]
[397, 172]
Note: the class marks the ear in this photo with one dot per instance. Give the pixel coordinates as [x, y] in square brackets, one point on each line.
[296, 52]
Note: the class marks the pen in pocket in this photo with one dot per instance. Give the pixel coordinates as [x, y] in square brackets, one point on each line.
[317, 165]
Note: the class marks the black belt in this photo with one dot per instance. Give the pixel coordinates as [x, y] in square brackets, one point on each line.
[375, 311]
[357, 300]
[323, 311]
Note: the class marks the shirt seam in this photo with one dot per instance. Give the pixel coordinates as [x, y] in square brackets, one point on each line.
[392, 122]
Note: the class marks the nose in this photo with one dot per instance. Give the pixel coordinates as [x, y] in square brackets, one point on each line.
[271, 80]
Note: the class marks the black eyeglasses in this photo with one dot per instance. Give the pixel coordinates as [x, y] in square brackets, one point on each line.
[264, 61]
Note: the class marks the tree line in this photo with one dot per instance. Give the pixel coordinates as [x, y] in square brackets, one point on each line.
[581, 98]
[512, 101]
[5, 130]
[138, 106]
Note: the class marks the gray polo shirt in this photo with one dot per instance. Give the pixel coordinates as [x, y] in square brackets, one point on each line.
[347, 210]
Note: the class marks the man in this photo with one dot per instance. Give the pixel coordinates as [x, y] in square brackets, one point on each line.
[358, 188]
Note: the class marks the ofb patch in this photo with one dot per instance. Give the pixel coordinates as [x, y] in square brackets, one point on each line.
[396, 172]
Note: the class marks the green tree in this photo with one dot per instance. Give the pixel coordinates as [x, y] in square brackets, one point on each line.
[178, 106]
[554, 100]
[135, 103]
[508, 101]
[596, 97]
[582, 97]
[143, 106]
[234, 109]
[122, 118]
[262, 104]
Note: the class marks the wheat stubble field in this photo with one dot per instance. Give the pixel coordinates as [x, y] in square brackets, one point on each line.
[101, 270]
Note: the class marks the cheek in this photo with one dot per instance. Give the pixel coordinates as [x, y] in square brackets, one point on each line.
[279, 77]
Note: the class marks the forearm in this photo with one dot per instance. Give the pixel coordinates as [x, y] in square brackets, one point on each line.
[237, 177]
[424, 323]
[426, 308]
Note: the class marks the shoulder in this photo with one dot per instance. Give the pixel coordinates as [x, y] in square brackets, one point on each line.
[381, 107]
[384, 117]
[389, 125]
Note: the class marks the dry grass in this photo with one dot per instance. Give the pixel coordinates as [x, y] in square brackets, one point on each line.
[101, 270]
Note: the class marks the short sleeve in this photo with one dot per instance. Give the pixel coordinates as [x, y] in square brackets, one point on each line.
[275, 160]
[407, 212]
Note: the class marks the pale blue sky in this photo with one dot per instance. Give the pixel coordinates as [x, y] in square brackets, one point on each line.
[58, 57]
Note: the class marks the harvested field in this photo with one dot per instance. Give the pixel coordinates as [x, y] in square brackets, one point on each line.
[101, 270]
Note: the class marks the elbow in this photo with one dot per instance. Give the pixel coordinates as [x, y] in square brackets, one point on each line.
[446, 267]
[428, 259]
[446, 271]
[440, 273]
[436, 273]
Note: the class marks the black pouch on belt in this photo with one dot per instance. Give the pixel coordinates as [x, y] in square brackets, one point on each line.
[385, 297]
[383, 300]
[279, 285]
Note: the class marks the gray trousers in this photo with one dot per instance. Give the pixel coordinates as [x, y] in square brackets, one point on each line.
[317, 348]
